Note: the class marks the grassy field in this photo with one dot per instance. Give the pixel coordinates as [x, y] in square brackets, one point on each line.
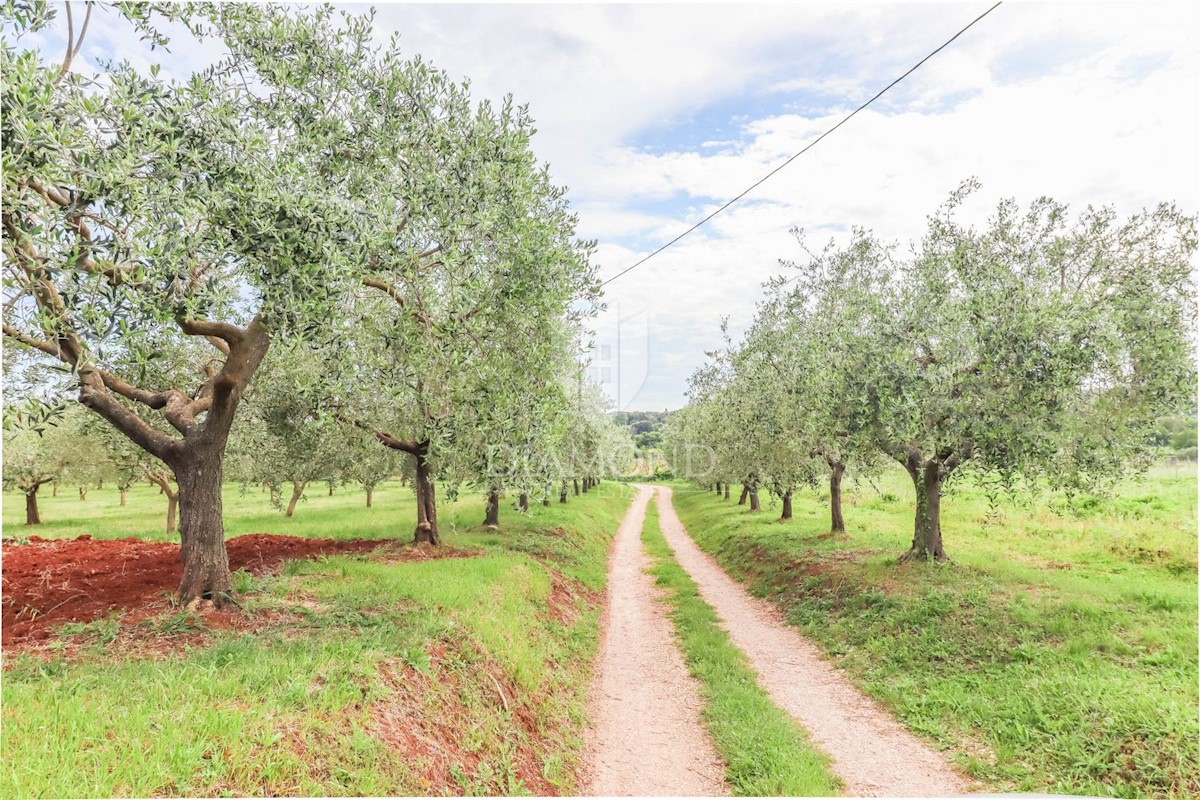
[765, 751]
[1055, 652]
[353, 676]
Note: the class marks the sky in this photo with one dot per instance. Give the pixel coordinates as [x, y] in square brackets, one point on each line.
[655, 115]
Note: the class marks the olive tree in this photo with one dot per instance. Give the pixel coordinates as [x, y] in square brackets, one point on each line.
[284, 437]
[1035, 348]
[809, 321]
[477, 276]
[366, 464]
[229, 208]
[739, 425]
[34, 457]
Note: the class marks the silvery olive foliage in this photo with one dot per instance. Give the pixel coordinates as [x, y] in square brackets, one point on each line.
[36, 458]
[1037, 349]
[165, 234]
[149, 215]
[282, 439]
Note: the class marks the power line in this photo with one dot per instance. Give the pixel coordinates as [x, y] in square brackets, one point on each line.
[807, 147]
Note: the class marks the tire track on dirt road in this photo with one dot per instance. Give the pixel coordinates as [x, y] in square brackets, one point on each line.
[646, 736]
[869, 750]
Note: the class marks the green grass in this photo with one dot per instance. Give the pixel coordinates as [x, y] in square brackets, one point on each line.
[765, 751]
[1056, 652]
[348, 656]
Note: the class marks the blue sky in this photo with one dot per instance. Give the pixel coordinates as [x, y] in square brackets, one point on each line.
[653, 115]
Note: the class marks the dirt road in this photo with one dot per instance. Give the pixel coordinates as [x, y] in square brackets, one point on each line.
[646, 737]
[869, 750]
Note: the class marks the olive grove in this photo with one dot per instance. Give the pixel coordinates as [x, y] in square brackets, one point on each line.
[1039, 349]
[165, 237]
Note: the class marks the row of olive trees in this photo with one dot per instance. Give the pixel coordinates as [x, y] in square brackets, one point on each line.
[1035, 350]
[310, 201]
[284, 446]
[538, 441]
[75, 449]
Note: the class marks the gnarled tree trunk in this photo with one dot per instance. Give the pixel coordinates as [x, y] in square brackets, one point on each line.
[83, 493]
[426, 531]
[576, 482]
[523, 502]
[927, 526]
[787, 505]
[562, 492]
[754, 503]
[201, 416]
[928, 475]
[201, 527]
[726, 490]
[745, 494]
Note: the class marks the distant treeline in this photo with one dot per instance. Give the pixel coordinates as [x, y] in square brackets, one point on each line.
[644, 426]
[1177, 436]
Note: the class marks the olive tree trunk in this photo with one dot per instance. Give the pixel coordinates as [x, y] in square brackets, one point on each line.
[162, 479]
[787, 505]
[562, 492]
[727, 490]
[928, 476]
[123, 491]
[491, 517]
[32, 515]
[201, 527]
[745, 494]
[370, 494]
[426, 531]
[523, 502]
[297, 493]
[755, 505]
[837, 523]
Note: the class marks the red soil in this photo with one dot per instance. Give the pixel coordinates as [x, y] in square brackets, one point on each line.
[47, 583]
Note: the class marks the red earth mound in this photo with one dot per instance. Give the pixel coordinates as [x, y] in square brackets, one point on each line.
[47, 583]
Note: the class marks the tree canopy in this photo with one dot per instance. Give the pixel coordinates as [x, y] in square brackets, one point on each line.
[164, 235]
[1038, 349]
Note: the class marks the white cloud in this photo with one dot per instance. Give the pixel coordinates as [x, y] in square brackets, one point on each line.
[1090, 103]
[1090, 130]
